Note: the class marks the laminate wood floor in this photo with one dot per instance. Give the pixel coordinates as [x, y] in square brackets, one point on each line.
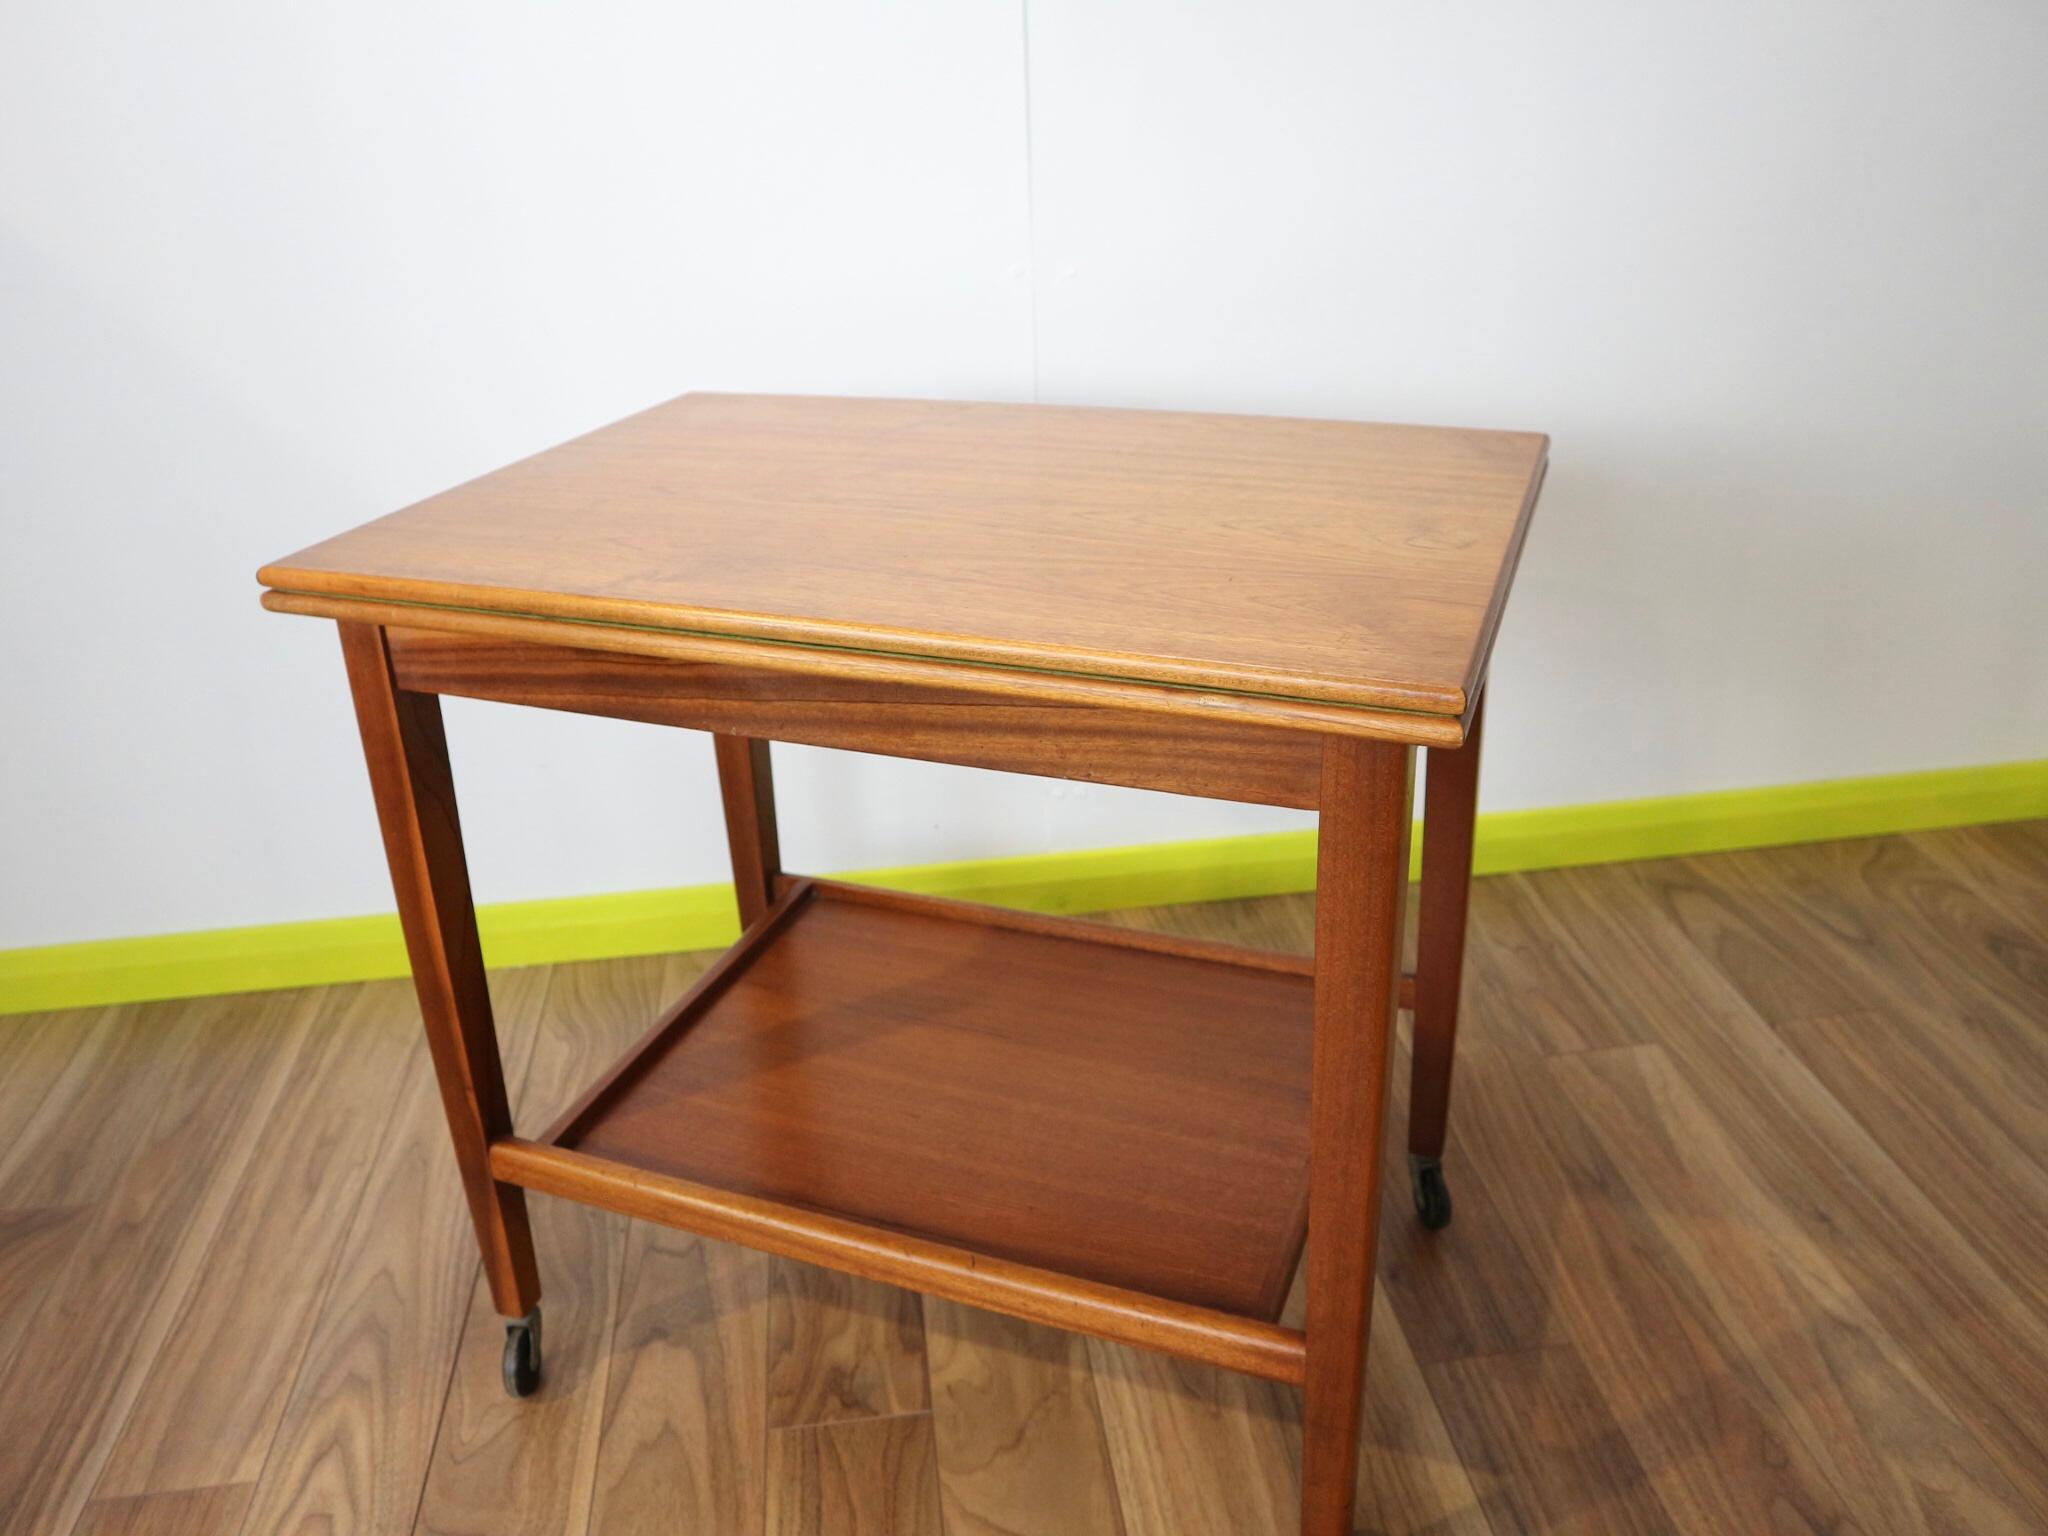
[1750, 1155]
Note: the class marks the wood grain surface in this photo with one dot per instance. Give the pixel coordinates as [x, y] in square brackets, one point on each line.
[855, 1477]
[406, 750]
[1098, 743]
[1130, 1117]
[746, 786]
[216, 1391]
[353, 1448]
[1730, 1271]
[1450, 812]
[181, 1512]
[1327, 560]
[511, 1466]
[1361, 893]
[889, 670]
[989, 1375]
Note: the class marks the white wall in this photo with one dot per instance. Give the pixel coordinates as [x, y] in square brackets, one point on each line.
[1773, 277]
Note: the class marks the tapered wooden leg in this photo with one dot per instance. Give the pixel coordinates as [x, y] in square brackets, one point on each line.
[748, 787]
[1361, 887]
[409, 774]
[1450, 805]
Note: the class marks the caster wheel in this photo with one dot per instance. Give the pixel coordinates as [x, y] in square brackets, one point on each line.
[1432, 1194]
[522, 1355]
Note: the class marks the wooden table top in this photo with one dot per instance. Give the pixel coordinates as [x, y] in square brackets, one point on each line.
[1338, 563]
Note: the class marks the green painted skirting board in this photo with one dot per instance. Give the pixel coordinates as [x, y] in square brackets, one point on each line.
[698, 917]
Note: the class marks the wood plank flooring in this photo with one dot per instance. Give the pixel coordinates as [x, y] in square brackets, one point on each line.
[1750, 1155]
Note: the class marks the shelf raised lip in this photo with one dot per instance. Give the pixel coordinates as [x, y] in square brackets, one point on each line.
[557, 1161]
[1036, 1295]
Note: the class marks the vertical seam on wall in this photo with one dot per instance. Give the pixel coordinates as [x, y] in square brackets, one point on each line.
[1030, 194]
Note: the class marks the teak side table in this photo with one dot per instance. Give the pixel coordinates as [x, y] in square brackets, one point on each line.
[1111, 1131]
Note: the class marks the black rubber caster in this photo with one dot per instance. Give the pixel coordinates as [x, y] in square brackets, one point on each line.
[1432, 1194]
[522, 1354]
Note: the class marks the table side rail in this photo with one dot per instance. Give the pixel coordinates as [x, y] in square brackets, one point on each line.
[1087, 930]
[1223, 759]
[1084, 930]
[999, 1285]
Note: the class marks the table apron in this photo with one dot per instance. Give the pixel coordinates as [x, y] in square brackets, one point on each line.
[1221, 759]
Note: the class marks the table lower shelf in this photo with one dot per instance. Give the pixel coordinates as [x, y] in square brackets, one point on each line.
[1014, 1097]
